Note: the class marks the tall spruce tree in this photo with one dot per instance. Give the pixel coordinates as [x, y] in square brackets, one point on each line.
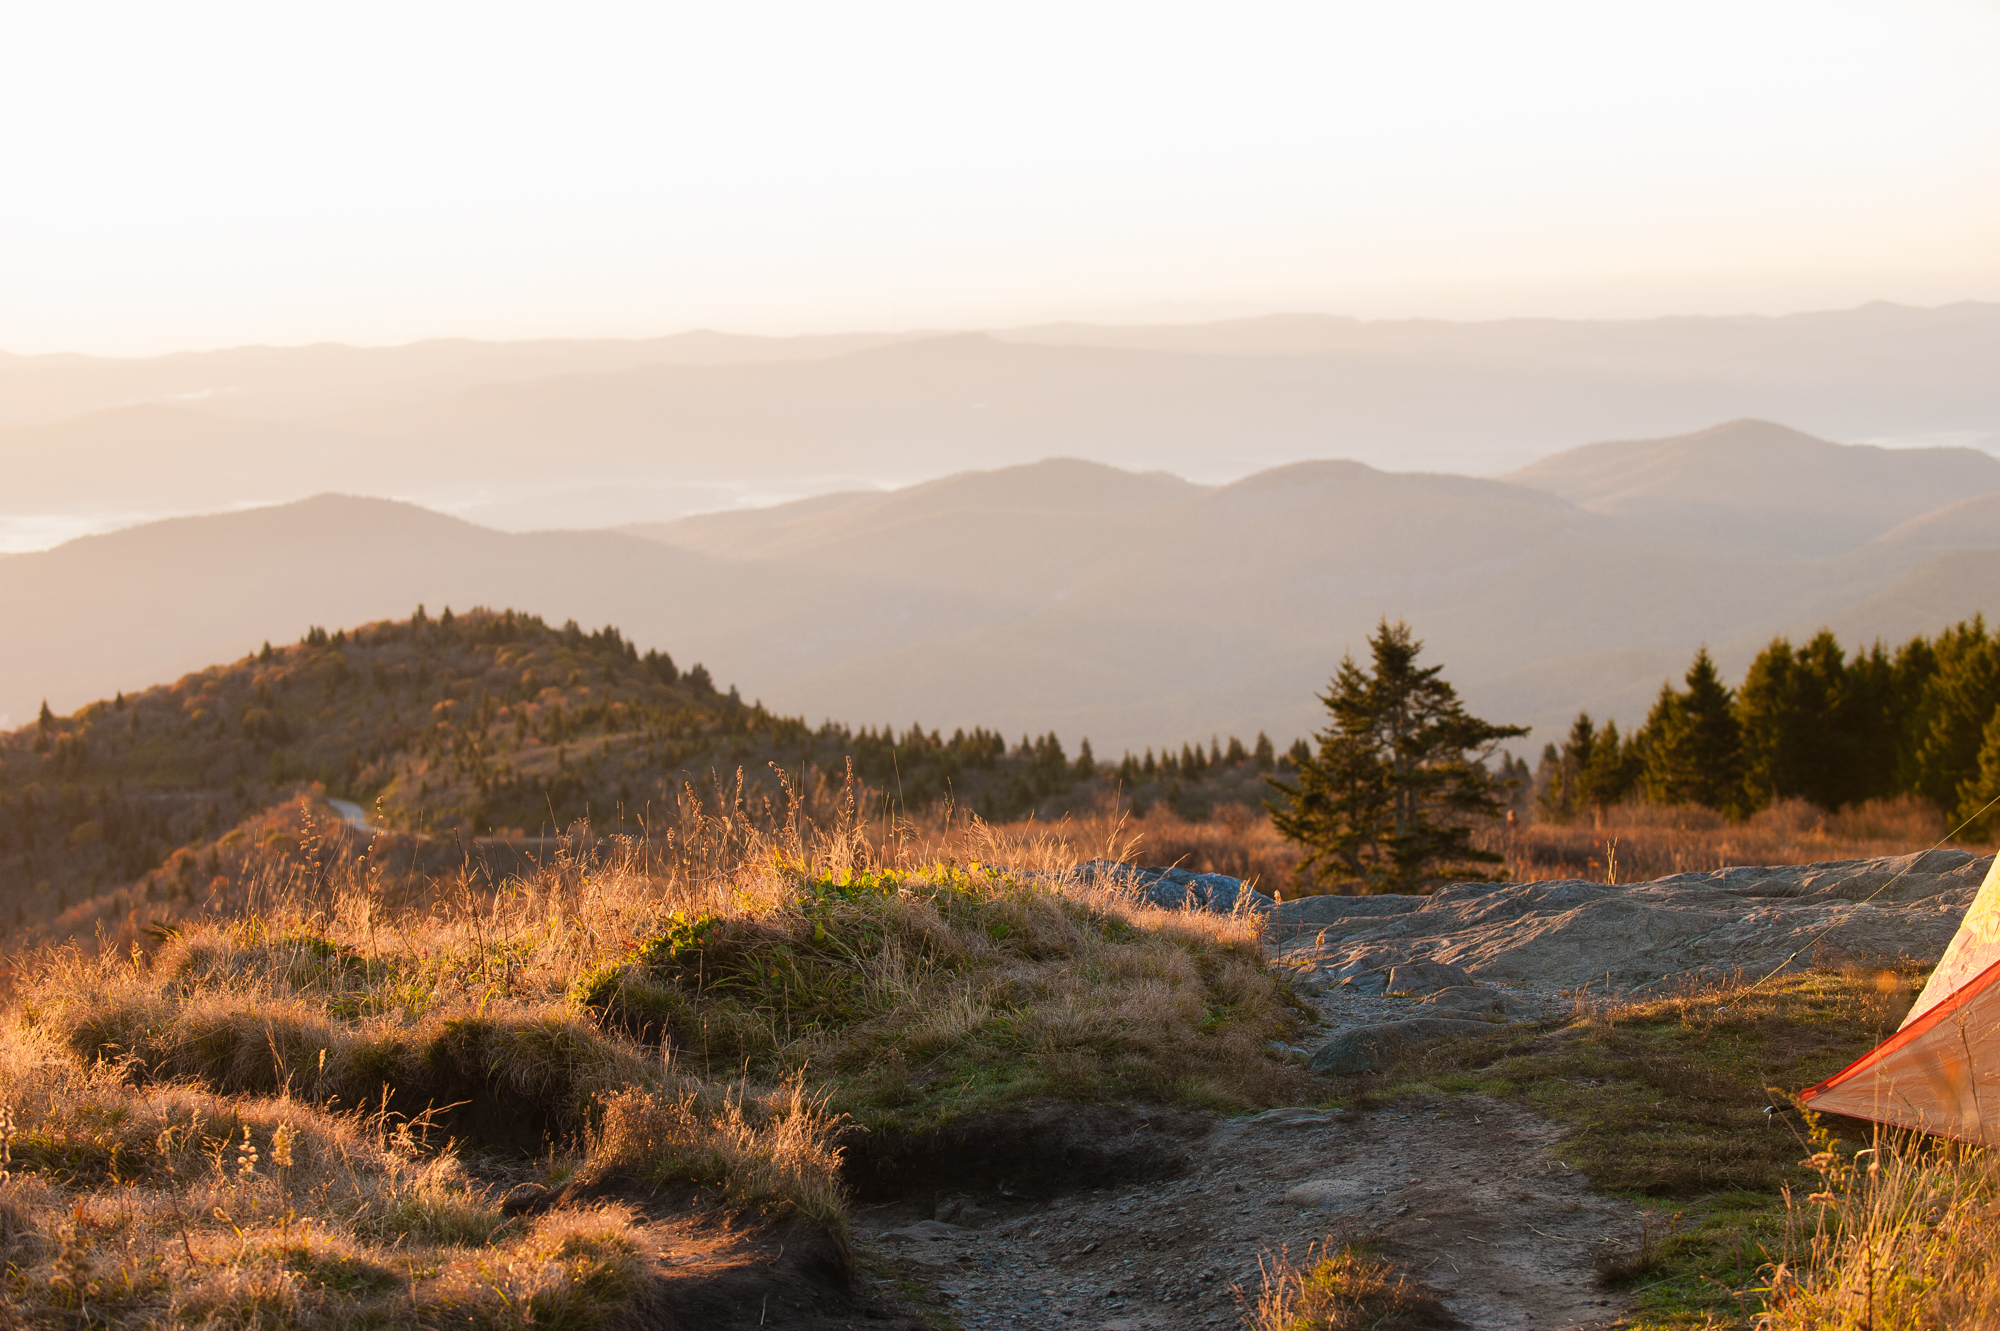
[1613, 772]
[1957, 699]
[1877, 705]
[1561, 800]
[1979, 794]
[1797, 739]
[1387, 801]
[1692, 746]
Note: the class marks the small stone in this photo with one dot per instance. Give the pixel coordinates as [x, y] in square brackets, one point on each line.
[523, 1198]
[1474, 999]
[1323, 1192]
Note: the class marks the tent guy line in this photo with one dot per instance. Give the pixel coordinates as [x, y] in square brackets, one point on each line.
[1816, 939]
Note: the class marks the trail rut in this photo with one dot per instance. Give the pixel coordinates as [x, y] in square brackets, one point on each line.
[1467, 1195]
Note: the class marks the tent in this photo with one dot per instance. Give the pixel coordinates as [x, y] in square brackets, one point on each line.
[1940, 1071]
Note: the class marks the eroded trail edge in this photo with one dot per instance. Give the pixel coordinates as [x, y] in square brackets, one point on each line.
[1469, 1195]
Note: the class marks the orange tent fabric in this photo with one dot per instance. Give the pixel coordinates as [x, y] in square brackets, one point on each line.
[1940, 1071]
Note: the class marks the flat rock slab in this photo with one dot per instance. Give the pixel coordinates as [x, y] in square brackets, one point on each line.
[1366, 1048]
[1569, 933]
[1320, 1193]
[925, 1231]
[1289, 1119]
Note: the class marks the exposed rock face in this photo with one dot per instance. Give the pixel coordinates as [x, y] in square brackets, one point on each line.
[1573, 933]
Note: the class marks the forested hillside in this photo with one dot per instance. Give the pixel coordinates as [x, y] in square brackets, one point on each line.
[1814, 722]
[484, 725]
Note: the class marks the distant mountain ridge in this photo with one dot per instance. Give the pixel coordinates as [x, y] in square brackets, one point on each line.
[1134, 609]
[1763, 488]
[532, 434]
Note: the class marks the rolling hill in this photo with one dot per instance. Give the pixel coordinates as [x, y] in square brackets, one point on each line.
[1133, 609]
[467, 735]
[1758, 488]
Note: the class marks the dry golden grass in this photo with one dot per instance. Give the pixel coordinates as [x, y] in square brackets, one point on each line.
[1239, 841]
[167, 1205]
[1338, 1289]
[1629, 843]
[1901, 1236]
[1634, 842]
[290, 1118]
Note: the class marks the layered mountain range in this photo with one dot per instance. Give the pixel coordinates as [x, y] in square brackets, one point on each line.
[1130, 607]
[533, 435]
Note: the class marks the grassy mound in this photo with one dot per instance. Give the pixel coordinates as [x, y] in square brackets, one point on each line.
[923, 995]
[308, 1117]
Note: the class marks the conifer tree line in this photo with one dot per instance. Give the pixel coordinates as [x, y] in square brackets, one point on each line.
[1812, 722]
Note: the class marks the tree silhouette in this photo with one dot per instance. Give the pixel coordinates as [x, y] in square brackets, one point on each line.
[1692, 744]
[1389, 798]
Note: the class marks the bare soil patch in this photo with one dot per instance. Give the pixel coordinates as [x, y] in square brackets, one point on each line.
[1467, 1194]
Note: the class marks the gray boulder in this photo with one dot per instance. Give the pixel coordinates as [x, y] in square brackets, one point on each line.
[1178, 889]
[1474, 1000]
[1417, 978]
[1367, 1048]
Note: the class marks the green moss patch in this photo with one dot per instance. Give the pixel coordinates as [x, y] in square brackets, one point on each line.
[1681, 1103]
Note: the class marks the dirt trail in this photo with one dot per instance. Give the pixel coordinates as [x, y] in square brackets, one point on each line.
[1466, 1194]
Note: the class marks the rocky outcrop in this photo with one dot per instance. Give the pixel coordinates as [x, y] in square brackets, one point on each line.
[1569, 933]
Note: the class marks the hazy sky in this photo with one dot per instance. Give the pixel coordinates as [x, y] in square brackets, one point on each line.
[196, 174]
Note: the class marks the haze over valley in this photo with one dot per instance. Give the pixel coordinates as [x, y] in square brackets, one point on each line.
[1133, 608]
[537, 435]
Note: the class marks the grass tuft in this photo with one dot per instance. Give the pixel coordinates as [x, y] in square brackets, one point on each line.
[1338, 1288]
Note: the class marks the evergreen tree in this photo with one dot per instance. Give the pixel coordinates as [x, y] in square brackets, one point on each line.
[1549, 797]
[1873, 719]
[1514, 785]
[1266, 755]
[1692, 746]
[1955, 702]
[1978, 793]
[1086, 761]
[1613, 772]
[1559, 798]
[1387, 801]
[1791, 711]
